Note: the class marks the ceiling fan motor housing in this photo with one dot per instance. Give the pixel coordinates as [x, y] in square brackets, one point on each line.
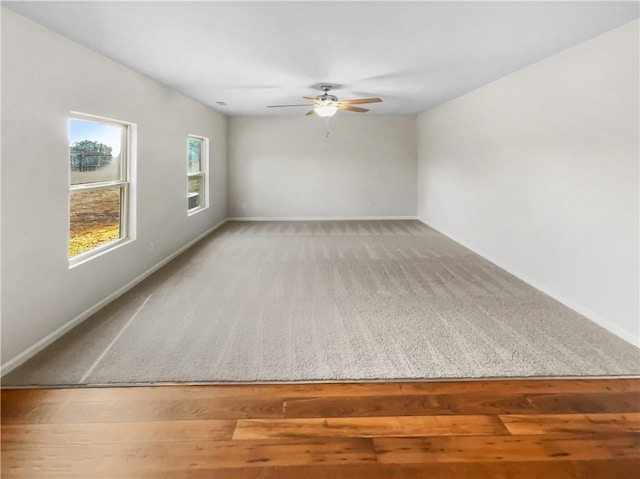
[325, 96]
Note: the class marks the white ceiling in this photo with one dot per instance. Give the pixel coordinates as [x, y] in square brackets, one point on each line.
[414, 55]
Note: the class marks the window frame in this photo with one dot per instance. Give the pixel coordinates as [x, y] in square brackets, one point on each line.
[203, 173]
[123, 183]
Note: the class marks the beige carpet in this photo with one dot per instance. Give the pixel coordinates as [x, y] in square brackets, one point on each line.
[350, 300]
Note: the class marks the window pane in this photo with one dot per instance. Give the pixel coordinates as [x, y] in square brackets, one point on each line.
[194, 149]
[195, 198]
[95, 219]
[94, 151]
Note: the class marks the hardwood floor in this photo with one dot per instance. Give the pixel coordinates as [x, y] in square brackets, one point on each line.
[533, 429]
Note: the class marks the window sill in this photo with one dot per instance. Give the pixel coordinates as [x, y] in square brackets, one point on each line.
[97, 252]
[193, 211]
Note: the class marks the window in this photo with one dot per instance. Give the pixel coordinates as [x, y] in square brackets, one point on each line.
[197, 162]
[99, 185]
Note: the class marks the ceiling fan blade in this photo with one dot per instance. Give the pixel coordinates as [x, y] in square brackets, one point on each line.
[280, 106]
[360, 101]
[310, 98]
[311, 112]
[352, 108]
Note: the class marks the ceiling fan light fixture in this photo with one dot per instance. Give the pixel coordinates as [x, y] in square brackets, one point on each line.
[326, 109]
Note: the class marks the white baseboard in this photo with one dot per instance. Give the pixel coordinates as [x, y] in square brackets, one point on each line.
[605, 323]
[320, 218]
[31, 351]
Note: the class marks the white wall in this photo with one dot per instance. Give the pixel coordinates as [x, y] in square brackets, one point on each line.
[44, 77]
[287, 167]
[539, 172]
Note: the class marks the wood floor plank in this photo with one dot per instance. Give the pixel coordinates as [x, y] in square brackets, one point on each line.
[622, 469]
[140, 411]
[403, 426]
[522, 386]
[476, 403]
[571, 423]
[182, 391]
[18, 435]
[417, 405]
[212, 473]
[507, 448]
[188, 455]
[602, 402]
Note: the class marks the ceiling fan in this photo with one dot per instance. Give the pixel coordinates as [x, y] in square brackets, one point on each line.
[327, 105]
